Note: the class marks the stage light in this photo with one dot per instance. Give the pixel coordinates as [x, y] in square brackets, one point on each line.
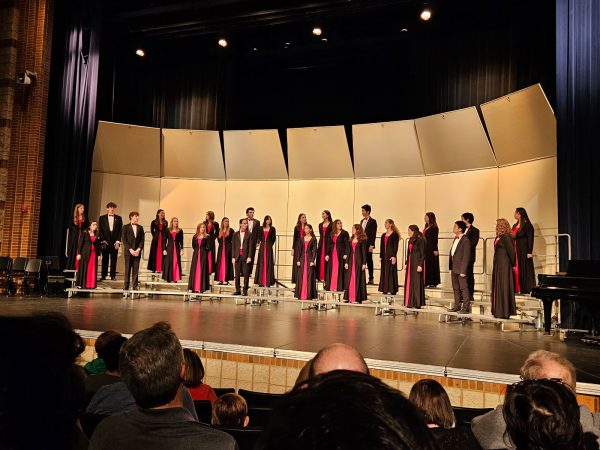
[404, 30]
[286, 45]
[426, 14]
[223, 42]
[317, 31]
[324, 39]
[140, 52]
[255, 49]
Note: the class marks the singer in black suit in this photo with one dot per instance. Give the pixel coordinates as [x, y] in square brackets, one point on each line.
[111, 226]
[473, 234]
[370, 226]
[459, 258]
[242, 254]
[133, 243]
[255, 231]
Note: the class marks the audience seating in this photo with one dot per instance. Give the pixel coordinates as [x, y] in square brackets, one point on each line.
[5, 267]
[466, 415]
[17, 275]
[203, 410]
[259, 399]
[221, 391]
[246, 438]
[260, 417]
[89, 422]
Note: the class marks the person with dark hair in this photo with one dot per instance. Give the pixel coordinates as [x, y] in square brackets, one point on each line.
[503, 279]
[159, 231]
[369, 225]
[230, 410]
[253, 225]
[414, 282]
[133, 244]
[346, 410]
[97, 365]
[87, 255]
[194, 374]
[356, 263]
[306, 283]
[110, 225]
[110, 356]
[76, 228]
[325, 228]
[523, 237]
[265, 265]
[432, 254]
[431, 399]
[152, 367]
[544, 415]
[173, 251]
[199, 279]
[472, 234]
[241, 256]
[337, 356]
[335, 255]
[41, 385]
[460, 255]
[388, 253]
[224, 271]
[297, 241]
[212, 230]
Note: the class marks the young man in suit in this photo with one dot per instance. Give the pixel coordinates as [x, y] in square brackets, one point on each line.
[110, 226]
[133, 244]
[473, 234]
[460, 256]
[370, 226]
[242, 255]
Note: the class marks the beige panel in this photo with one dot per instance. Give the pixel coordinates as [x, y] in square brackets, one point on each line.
[192, 154]
[387, 149]
[318, 153]
[254, 155]
[127, 149]
[454, 141]
[266, 197]
[521, 126]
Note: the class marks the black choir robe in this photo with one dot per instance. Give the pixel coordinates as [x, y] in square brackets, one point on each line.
[311, 255]
[432, 262]
[524, 245]
[74, 233]
[266, 247]
[388, 280]
[298, 236]
[414, 286]
[503, 278]
[323, 236]
[213, 233]
[340, 249]
[360, 258]
[200, 254]
[85, 250]
[172, 246]
[224, 252]
[154, 244]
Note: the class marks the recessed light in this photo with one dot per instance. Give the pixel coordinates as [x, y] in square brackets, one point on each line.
[223, 42]
[426, 14]
[324, 39]
[317, 31]
[404, 30]
[140, 52]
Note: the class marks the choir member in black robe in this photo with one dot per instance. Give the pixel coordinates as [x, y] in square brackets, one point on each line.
[212, 228]
[432, 254]
[388, 252]
[356, 264]
[523, 237]
[265, 264]
[224, 270]
[335, 254]
[158, 228]
[325, 228]
[414, 284]
[87, 254]
[172, 251]
[298, 236]
[199, 276]
[306, 282]
[503, 277]
[75, 230]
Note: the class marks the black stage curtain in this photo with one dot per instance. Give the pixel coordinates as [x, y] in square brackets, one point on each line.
[578, 113]
[71, 127]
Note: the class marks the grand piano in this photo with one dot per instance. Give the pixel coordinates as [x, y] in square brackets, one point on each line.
[581, 284]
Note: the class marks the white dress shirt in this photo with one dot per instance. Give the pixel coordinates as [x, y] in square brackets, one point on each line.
[134, 230]
[455, 244]
[111, 222]
[364, 223]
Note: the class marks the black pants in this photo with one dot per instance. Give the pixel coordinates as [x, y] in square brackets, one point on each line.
[242, 268]
[461, 291]
[132, 268]
[471, 280]
[370, 264]
[110, 252]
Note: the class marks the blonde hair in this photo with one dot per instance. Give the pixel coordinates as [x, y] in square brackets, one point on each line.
[200, 225]
[76, 214]
[393, 226]
[502, 227]
[171, 222]
[533, 367]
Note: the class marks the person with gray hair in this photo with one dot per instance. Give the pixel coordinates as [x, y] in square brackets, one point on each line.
[337, 356]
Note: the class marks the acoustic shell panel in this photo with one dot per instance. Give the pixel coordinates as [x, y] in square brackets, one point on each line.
[388, 149]
[192, 154]
[454, 141]
[254, 155]
[521, 125]
[127, 149]
[318, 153]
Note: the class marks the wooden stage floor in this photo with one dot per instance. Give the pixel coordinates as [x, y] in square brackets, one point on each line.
[418, 340]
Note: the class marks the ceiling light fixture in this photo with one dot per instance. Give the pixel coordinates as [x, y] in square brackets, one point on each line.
[426, 14]
[223, 42]
[317, 31]
[140, 52]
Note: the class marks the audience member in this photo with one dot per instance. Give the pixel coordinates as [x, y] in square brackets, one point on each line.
[110, 356]
[544, 415]
[304, 374]
[152, 367]
[194, 374]
[346, 410]
[41, 386]
[97, 366]
[337, 356]
[431, 399]
[230, 410]
[490, 429]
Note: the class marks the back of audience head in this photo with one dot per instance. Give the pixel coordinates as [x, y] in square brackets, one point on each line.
[544, 364]
[304, 374]
[346, 410]
[337, 356]
[230, 410]
[103, 340]
[431, 399]
[194, 369]
[151, 365]
[111, 352]
[543, 414]
[41, 386]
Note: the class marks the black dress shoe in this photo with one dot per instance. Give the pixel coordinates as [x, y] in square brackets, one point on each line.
[371, 281]
[455, 309]
[113, 278]
[245, 292]
[464, 311]
[102, 278]
[237, 293]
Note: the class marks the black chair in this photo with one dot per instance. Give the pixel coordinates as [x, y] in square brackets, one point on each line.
[17, 276]
[89, 422]
[246, 438]
[203, 410]
[466, 415]
[221, 391]
[260, 417]
[5, 268]
[259, 399]
[53, 280]
[33, 276]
